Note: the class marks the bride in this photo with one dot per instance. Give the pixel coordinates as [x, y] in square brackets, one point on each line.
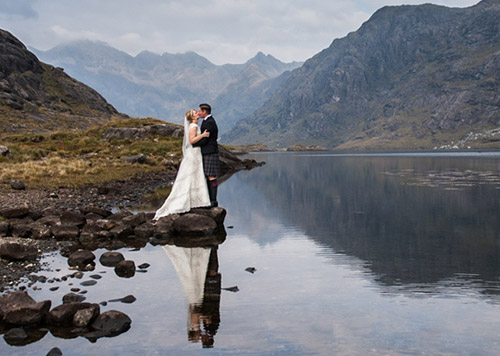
[190, 188]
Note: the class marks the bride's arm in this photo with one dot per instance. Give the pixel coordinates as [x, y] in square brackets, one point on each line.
[193, 138]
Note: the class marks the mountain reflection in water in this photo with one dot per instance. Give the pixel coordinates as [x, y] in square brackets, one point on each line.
[414, 220]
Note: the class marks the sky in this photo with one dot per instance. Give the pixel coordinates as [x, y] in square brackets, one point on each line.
[223, 31]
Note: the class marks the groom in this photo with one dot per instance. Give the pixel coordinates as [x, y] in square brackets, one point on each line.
[209, 151]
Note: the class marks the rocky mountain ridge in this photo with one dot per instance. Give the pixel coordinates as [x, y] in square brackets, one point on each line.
[166, 86]
[411, 77]
[36, 97]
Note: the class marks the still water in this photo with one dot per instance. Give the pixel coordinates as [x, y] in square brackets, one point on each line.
[380, 254]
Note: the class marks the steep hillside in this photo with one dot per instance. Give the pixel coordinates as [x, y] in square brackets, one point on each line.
[163, 86]
[36, 97]
[411, 77]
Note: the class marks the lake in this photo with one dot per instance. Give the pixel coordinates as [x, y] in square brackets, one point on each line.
[326, 254]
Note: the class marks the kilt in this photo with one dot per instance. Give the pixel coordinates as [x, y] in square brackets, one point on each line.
[211, 165]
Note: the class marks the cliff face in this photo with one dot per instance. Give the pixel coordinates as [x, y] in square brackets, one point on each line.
[410, 77]
[36, 97]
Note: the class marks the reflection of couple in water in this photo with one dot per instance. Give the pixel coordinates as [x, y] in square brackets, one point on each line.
[197, 268]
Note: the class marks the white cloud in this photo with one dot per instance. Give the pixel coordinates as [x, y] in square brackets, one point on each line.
[223, 31]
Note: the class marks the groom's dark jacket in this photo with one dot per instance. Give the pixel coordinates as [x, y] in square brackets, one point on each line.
[208, 144]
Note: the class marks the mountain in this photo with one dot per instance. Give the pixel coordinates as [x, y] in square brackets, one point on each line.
[411, 77]
[37, 97]
[166, 86]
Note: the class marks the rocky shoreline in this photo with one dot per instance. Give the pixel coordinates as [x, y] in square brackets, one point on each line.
[28, 233]
[76, 221]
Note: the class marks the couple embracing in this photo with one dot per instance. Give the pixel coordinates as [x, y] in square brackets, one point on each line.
[196, 181]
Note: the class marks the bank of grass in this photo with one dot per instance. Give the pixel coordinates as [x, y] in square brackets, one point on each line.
[76, 158]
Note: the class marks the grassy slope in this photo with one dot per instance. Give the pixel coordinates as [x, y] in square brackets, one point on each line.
[75, 158]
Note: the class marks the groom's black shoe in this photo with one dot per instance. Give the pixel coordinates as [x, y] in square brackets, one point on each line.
[212, 192]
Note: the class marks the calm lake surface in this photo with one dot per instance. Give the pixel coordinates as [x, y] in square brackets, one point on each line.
[379, 254]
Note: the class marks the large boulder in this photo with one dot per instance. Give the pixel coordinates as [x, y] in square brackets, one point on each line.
[194, 224]
[64, 314]
[19, 308]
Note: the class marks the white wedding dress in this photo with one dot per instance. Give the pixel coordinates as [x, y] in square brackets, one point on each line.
[190, 187]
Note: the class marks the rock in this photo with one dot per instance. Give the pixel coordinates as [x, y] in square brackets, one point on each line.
[112, 322]
[134, 220]
[49, 220]
[65, 232]
[144, 265]
[14, 300]
[72, 298]
[144, 231]
[125, 269]
[194, 224]
[14, 251]
[141, 159]
[217, 213]
[28, 314]
[81, 258]
[19, 308]
[17, 184]
[64, 313]
[129, 299]
[4, 151]
[55, 352]
[111, 259]
[4, 228]
[121, 133]
[88, 283]
[96, 210]
[84, 317]
[118, 216]
[21, 229]
[73, 218]
[16, 212]
[41, 232]
[122, 231]
[106, 224]
[15, 335]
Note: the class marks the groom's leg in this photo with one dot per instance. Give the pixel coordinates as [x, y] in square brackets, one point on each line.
[211, 166]
[212, 191]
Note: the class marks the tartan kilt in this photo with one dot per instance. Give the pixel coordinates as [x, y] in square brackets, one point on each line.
[211, 165]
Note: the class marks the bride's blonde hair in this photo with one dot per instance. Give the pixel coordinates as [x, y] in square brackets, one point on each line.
[190, 114]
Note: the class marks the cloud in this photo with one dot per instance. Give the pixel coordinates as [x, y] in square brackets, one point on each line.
[17, 9]
[223, 31]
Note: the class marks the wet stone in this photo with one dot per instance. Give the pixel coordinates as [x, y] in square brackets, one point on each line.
[125, 269]
[55, 352]
[88, 283]
[73, 298]
[111, 259]
[129, 299]
[81, 258]
[84, 317]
